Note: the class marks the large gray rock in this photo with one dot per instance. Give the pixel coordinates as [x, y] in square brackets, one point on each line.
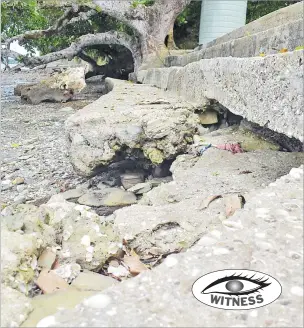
[85, 238]
[132, 120]
[267, 236]
[265, 90]
[69, 78]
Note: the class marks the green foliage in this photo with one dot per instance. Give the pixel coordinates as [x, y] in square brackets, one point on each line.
[186, 28]
[19, 16]
[261, 8]
[147, 3]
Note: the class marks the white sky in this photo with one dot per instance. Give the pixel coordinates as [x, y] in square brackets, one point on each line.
[21, 50]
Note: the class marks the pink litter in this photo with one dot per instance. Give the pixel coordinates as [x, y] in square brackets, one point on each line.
[234, 148]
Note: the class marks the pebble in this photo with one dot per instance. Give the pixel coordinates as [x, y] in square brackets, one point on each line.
[24, 158]
[20, 199]
[72, 193]
[120, 197]
[141, 188]
[21, 187]
[98, 301]
[6, 184]
[90, 199]
[128, 180]
[68, 271]
[86, 240]
[119, 271]
[18, 181]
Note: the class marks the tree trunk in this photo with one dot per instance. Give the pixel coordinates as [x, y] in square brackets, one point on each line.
[151, 26]
[170, 39]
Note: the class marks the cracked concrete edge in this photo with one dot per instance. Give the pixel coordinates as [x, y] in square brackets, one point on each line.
[265, 90]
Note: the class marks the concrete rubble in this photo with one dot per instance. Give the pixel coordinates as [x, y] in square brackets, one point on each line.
[267, 236]
[154, 129]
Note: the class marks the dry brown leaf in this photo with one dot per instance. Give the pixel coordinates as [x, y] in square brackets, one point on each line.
[232, 203]
[209, 200]
[50, 282]
[134, 264]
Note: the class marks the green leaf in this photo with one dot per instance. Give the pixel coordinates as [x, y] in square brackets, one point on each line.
[299, 48]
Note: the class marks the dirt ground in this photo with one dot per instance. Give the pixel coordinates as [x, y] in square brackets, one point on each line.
[33, 145]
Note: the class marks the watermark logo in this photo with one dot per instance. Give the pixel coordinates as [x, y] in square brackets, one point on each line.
[236, 289]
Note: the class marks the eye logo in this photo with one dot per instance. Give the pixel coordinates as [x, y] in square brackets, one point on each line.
[236, 289]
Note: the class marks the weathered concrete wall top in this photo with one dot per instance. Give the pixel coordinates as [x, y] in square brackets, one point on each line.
[270, 33]
[289, 36]
[265, 90]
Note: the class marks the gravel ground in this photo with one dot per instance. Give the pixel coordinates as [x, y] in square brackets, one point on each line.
[33, 145]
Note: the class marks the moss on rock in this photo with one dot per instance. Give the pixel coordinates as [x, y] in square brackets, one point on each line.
[155, 155]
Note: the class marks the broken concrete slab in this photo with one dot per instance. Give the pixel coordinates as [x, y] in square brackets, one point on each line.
[264, 90]
[120, 123]
[212, 174]
[265, 236]
[172, 212]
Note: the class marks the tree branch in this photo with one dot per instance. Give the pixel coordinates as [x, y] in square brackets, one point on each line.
[111, 37]
[82, 55]
[123, 11]
[67, 18]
